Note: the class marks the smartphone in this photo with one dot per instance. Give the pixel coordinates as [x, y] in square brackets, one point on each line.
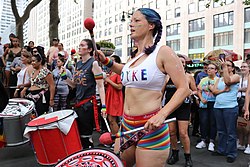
[222, 56]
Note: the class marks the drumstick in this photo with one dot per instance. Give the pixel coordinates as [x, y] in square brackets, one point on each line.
[108, 138]
[107, 125]
[89, 24]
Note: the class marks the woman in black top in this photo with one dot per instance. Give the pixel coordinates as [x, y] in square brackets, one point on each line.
[88, 74]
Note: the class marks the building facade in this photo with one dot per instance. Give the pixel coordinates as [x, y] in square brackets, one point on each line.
[189, 28]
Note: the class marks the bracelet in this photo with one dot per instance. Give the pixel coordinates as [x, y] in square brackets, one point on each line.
[51, 99]
[104, 108]
[108, 62]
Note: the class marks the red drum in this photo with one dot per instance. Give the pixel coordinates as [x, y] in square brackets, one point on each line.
[54, 136]
[92, 158]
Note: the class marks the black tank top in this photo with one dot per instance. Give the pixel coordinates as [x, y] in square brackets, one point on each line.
[170, 90]
[85, 80]
[12, 55]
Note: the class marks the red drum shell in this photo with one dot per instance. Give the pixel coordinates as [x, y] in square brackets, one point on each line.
[51, 145]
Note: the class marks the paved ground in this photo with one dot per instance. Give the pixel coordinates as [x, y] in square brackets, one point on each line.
[23, 156]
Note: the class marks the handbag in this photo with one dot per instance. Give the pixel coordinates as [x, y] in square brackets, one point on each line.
[243, 124]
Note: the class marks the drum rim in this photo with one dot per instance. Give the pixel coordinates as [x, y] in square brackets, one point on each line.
[53, 121]
[87, 149]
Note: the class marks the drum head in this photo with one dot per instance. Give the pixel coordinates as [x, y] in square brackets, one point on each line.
[91, 158]
[50, 118]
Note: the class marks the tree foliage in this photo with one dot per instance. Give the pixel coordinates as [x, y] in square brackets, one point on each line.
[222, 2]
[106, 44]
[20, 20]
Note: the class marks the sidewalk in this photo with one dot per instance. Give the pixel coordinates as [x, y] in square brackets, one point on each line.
[23, 156]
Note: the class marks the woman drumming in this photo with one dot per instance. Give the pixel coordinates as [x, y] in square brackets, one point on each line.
[144, 76]
[88, 75]
[182, 115]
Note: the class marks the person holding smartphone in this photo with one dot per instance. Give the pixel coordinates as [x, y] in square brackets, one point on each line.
[226, 110]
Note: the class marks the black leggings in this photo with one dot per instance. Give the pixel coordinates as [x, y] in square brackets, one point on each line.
[85, 119]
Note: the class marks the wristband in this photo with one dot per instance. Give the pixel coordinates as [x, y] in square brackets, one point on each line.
[104, 108]
[108, 62]
[64, 76]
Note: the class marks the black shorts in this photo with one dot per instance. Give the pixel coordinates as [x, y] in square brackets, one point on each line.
[182, 113]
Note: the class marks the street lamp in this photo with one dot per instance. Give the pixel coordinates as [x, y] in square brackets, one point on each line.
[123, 20]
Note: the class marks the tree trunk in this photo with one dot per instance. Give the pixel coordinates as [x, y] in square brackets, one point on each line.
[21, 20]
[19, 31]
[54, 20]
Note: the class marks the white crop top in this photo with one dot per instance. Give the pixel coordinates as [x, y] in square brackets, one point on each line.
[146, 75]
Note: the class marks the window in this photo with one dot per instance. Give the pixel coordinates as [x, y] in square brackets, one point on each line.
[120, 28]
[109, 31]
[169, 15]
[196, 42]
[247, 15]
[191, 8]
[222, 2]
[116, 17]
[118, 52]
[223, 19]
[174, 44]
[229, 1]
[150, 4]
[224, 38]
[116, 29]
[106, 22]
[196, 56]
[201, 5]
[157, 4]
[247, 35]
[118, 41]
[177, 12]
[173, 29]
[197, 25]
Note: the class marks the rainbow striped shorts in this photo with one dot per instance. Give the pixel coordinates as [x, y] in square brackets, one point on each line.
[154, 140]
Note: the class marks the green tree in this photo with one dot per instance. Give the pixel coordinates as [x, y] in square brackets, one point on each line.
[222, 2]
[21, 20]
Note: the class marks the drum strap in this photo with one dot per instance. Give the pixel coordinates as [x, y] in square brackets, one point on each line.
[132, 140]
[94, 101]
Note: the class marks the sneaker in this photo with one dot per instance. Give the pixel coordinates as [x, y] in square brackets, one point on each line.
[247, 150]
[230, 159]
[211, 147]
[200, 145]
[240, 147]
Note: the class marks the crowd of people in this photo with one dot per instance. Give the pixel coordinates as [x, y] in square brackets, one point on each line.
[212, 100]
